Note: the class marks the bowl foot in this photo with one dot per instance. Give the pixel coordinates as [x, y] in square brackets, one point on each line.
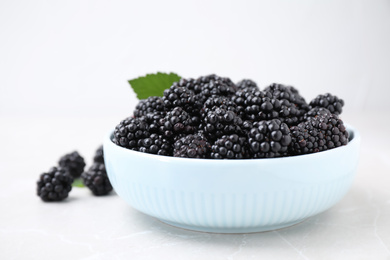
[223, 230]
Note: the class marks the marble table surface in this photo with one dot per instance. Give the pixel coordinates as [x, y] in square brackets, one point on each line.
[88, 227]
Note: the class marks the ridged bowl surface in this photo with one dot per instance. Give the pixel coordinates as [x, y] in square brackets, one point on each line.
[232, 196]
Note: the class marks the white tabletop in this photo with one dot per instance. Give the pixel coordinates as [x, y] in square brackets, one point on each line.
[88, 227]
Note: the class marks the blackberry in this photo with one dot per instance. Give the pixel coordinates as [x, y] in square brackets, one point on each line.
[316, 111]
[259, 105]
[247, 84]
[178, 96]
[149, 105]
[218, 87]
[98, 157]
[330, 102]
[322, 132]
[54, 185]
[192, 146]
[219, 122]
[229, 147]
[214, 77]
[268, 139]
[129, 131]
[96, 179]
[177, 121]
[155, 144]
[289, 93]
[74, 163]
[218, 101]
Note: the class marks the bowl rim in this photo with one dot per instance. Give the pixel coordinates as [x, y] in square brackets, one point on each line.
[353, 132]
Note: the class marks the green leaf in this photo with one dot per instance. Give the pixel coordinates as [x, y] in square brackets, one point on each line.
[78, 183]
[153, 84]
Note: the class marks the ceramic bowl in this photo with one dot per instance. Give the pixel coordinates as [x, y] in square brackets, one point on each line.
[232, 196]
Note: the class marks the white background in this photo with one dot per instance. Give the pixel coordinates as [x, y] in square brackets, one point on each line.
[73, 58]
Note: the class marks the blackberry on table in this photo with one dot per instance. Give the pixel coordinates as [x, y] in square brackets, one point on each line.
[192, 146]
[129, 131]
[73, 162]
[99, 156]
[247, 84]
[96, 179]
[54, 185]
[218, 122]
[330, 102]
[322, 132]
[149, 105]
[229, 147]
[268, 139]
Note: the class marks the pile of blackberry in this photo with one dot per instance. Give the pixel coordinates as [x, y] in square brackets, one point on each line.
[56, 184]
[211, 117]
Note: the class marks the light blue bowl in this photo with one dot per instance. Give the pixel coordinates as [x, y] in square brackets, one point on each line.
[232, 196]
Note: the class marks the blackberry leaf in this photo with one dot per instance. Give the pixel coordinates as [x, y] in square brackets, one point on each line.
[153, 84]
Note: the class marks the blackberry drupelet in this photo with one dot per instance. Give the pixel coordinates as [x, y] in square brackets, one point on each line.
[247, 84]
[177, 121]
[192, 146]
[129, 131]
[322, 132]
[330, 102]
[98, 157]
[54, 185]
[219, 122]
[149, 105]
[96, 179]
[268, 139]
[73, 162]
[229, 147]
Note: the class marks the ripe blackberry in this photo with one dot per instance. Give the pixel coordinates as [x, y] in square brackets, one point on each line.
[98, 157]
[73, 162]
[316, 111]
[178, 96]
[214, 77]
[219, 122]
[330, 102]
[96, 179]
[149, 105]
[247, 84]
[155, 144]
[129, 131]
[217, 87]
[177, 121]
[192, 146]
[54, 185]
[229, 147]
[322, 132]
[218, 101]
[289, 93]
[268, 139]
[259, 105]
